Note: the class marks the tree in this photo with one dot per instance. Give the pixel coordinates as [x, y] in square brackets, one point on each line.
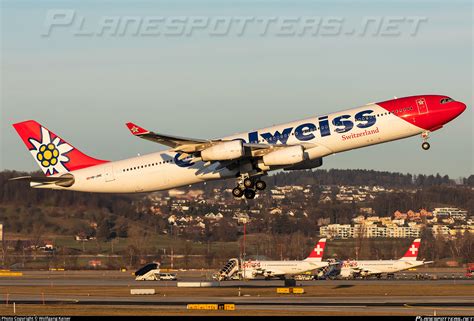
[187, 250]
[428, 249]
[105, 230]
[122, 230]
[467, 247]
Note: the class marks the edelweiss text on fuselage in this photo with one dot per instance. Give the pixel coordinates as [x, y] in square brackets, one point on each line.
[304, 132]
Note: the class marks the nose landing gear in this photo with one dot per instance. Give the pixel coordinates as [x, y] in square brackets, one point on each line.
[425, 135]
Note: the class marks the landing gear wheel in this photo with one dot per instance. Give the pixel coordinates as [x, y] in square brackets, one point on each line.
[260, 185]
[249, 193]
[425, 145]
[237, 192]
[248, 183]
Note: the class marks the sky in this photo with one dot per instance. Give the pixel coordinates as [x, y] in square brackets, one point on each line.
[85, 68]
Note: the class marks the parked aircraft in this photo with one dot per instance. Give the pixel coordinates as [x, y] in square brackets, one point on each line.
[353, 268]
[268, 269]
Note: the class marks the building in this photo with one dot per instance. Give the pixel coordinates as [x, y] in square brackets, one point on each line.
[338, 231]
[450, 212]
[346, 231]
[441, 230]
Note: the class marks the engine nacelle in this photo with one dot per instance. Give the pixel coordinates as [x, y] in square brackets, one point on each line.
[347, 273]
[223, 151]
[306, 164]
[284, 156]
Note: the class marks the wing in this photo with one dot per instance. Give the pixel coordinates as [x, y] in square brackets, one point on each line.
[192, 145]
[370, 271]
[184, 144]
[320, 265]
[270, 273]
[192, 148]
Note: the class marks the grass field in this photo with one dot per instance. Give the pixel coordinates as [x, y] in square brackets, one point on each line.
[159, 242]
[311, 291]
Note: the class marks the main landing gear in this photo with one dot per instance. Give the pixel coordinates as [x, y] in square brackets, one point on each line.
[425, 135]
[247, 187]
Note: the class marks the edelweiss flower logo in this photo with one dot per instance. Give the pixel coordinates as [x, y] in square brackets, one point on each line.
[50, 154]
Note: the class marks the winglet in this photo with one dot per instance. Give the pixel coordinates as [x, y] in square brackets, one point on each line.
[136, 130]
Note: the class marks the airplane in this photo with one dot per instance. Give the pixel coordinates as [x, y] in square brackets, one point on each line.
[353, 268]
[269, 269]
[248, 156]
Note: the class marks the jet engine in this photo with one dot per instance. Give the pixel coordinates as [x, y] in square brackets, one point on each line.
[284, 156]
[223, 151]
[347, 273]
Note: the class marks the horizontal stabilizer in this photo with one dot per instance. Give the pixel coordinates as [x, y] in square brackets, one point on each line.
[64, 180]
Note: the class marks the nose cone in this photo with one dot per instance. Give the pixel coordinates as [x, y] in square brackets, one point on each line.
[460, 107]
[455, 109]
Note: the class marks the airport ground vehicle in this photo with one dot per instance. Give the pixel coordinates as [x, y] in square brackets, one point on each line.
[231, 270]
[167, 277]
[304, 277]
[149, 272]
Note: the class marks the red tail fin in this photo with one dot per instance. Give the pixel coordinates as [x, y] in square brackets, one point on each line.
[318, 251]
[412, 252]
[53, 154]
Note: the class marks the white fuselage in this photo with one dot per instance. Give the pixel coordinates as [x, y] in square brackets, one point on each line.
[255, 269]
[161, 171]
[372, 267]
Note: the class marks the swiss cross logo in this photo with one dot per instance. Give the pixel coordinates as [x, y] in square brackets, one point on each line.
[412, 252]
[318, 249]
[422, 106]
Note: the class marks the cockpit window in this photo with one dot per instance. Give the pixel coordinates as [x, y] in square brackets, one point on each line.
[446, 100]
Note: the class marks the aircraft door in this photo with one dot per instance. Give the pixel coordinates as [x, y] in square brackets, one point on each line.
[422, 106]
[109, 174]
